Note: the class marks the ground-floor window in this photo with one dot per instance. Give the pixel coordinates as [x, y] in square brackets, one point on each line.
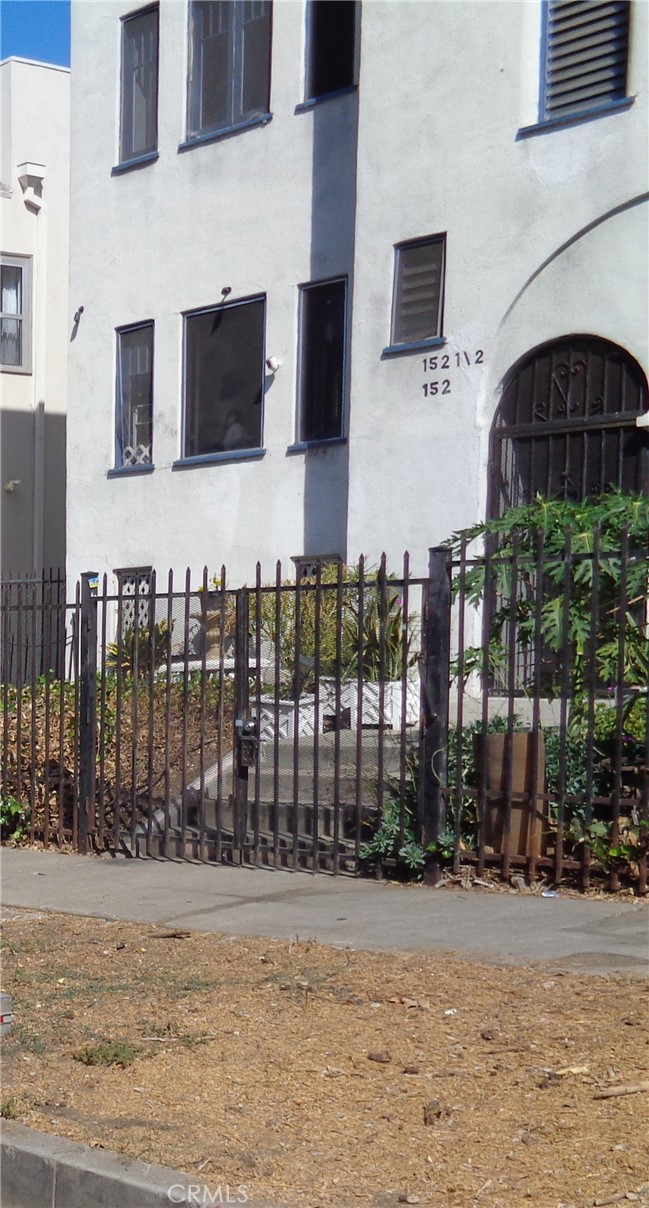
[224, 376]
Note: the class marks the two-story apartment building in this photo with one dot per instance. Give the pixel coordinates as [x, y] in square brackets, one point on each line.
[351, 274]
[34, 332]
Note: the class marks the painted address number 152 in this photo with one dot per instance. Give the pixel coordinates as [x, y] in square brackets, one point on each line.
[430, 388]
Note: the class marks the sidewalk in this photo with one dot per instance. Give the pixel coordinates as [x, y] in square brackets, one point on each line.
[582, 935]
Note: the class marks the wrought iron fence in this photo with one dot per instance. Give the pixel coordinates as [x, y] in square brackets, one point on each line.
[32, 638]
[346, 719]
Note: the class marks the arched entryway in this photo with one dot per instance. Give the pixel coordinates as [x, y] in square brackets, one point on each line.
[565, 426]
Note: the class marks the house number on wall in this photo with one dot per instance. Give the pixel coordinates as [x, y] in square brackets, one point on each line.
[447, 360]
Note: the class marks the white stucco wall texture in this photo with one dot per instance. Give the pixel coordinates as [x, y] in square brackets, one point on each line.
[35, 127]
[546, 237]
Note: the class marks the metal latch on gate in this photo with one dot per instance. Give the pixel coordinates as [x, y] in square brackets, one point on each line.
[247, 737]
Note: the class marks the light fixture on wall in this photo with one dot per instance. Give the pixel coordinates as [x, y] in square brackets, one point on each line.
[11, 485]
[273, 364]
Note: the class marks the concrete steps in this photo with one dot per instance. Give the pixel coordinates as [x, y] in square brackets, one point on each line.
[295, 813]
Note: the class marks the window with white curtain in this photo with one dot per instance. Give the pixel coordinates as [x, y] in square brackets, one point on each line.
[134, 433]
[15, 290]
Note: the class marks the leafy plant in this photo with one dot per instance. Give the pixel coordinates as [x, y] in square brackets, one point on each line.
[9, 1108]
[14, 818]
[337, 630]
[113, 1052]
[377, 638]
[592, 614]
[136, 648]
[622, 854]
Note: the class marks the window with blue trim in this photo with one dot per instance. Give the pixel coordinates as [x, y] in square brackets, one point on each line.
[224, 378]
[585, 56]
[229, 64]
[139, 99]
[418, 305]
[134, 419]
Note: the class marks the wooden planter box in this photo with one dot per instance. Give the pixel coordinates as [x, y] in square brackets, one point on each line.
[529, 818]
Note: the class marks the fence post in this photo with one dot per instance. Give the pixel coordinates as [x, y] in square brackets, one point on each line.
[87, 709]
[241, 691]
[435, 674]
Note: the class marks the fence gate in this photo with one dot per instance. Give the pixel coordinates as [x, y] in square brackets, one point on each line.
[273, 725]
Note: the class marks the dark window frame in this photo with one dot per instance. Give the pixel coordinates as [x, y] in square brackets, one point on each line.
[314, 68]
[197, 129]
[127, 153]
[232, 453]
[120, 464]
[304, 436]
[397, 320]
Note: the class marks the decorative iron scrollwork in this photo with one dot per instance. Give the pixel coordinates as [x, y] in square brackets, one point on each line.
[569, 404]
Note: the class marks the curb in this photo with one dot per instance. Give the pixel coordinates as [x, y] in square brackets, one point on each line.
[39, 1170]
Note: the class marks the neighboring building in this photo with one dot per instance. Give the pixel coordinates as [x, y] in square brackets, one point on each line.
[351, 274]
[34, 327]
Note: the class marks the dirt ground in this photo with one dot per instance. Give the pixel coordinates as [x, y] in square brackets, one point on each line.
[312, 1075]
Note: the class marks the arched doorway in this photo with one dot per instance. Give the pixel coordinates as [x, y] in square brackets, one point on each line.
[565, 426]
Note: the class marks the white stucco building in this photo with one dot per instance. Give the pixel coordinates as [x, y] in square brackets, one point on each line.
[34, 331]
[351, 274]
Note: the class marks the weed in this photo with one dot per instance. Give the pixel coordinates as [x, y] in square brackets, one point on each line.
[113, 1052]
[14, 818]
[196, 984]
[29, 1042]
[8, 1109]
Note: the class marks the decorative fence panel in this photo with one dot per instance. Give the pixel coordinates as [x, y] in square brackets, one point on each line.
[492, 716]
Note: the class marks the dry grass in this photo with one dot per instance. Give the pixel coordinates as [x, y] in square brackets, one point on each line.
[254, 1062]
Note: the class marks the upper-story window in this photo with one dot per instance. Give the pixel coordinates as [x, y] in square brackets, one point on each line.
[585, 56]
[417, 307]
[229, 64]
[15, 350]
[139, 110]
[331, 46]
[134, 428]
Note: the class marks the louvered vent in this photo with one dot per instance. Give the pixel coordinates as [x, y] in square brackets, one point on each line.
[587, 52]
[418, 291]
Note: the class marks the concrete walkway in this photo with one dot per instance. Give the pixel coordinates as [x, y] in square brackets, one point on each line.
[583, 935]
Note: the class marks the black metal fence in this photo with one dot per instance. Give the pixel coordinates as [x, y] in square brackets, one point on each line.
[493, 713]
[32, 634]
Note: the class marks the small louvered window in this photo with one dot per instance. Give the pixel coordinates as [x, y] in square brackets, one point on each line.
[418, 290]
[586, 53]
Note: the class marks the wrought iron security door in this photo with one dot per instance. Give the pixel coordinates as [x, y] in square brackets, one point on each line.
[565, 427]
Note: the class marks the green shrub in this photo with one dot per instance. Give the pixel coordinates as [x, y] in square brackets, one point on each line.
[14, 818]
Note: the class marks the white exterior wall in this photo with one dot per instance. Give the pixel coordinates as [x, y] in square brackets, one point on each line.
[545, 238]
[35, 128]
